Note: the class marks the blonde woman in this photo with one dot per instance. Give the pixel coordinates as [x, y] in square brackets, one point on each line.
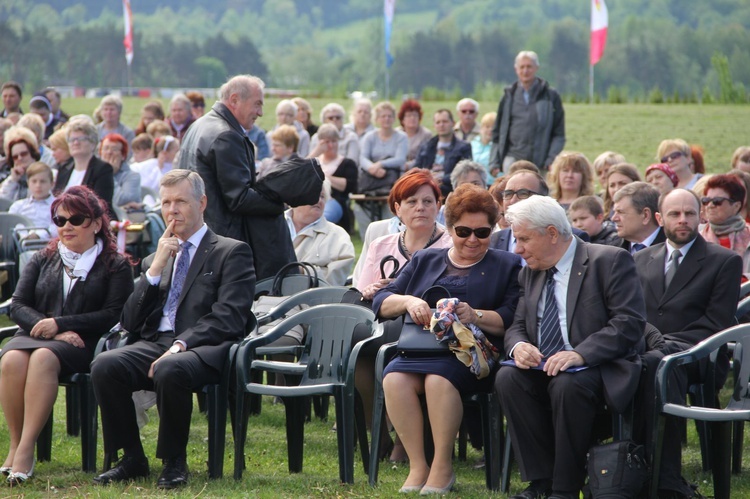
[570, 177]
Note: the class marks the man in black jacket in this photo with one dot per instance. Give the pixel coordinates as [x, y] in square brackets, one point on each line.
[530, 120]
[217, 148]
[441, 153]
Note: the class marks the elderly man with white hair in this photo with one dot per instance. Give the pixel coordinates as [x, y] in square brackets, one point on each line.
[530, 120]
[286, 114]
[575, 343]
[466, 128]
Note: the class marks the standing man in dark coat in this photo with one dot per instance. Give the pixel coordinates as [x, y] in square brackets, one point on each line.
[190, 305]
[217, 147]
[530, 120]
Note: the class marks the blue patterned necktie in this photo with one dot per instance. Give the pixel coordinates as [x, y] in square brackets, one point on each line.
[178, 280]
[638, 247]
[550, 333]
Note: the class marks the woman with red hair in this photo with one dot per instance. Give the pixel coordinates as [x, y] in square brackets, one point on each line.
[410, 116]
[723, 200]
[68, 294]
[415, 200]
[114, 149]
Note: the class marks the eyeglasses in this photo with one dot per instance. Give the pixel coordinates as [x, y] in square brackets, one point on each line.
[20, 155]
[75, 220]
[468, 111]
[480, 232]
[77, 140]
[334, 118]
[669, 157]
[521, 193]
[198, 105]
[716, 201]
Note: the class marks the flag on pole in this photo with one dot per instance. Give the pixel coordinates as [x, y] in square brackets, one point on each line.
[389, 7]
[599, 22]
[128, 41]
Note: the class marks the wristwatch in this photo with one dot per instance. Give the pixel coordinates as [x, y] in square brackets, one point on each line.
[175, 348]
[479, 313]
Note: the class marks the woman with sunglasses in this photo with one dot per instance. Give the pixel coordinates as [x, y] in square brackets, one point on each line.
[723, 200]
[86, 169]
[69, 294]
[21, 149]
[677, 154]
[348, 143]
[486, 283]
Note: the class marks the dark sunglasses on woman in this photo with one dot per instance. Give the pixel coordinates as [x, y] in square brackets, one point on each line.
[480, 232]
[75, 220]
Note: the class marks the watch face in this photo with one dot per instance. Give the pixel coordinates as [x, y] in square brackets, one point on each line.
[175, 349]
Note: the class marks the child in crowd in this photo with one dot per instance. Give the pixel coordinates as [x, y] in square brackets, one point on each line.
[36, 207]
[586, 213]
[141, 146]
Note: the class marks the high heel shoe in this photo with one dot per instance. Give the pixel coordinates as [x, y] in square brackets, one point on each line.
[408, 489]
[19, 478]
[426, 491]
[5, 470]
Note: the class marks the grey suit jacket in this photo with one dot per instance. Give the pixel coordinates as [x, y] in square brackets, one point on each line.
[214, 305]
[605, 316]
[702, 297]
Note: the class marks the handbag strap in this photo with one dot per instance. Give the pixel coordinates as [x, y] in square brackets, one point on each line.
[432, 289]
[307, 269]
[396, 265]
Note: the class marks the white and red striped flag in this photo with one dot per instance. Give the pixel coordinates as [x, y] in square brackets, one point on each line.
[128, 41]
[599, 22]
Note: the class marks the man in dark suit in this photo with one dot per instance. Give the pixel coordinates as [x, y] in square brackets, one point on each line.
[217, 148]
[580, 306]
[691, 289]
[635, 216]
[522, 185]
[442, 152]
[190, 305]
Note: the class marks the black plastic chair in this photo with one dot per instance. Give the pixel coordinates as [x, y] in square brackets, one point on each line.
[326, 368]
[490, 411]
[720, 419]
[8, 248]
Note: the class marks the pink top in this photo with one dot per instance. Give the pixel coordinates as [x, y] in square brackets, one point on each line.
[388, 245]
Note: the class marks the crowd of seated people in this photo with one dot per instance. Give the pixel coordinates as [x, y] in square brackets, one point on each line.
[529, 252]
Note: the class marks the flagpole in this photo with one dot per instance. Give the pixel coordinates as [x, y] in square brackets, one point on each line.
[591, 83]
[387, 82]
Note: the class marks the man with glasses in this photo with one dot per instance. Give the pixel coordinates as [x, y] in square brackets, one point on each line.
[467, 127]
[530, 121]
[691, 289]
[522, 185]
[635, 216]
[442, 152]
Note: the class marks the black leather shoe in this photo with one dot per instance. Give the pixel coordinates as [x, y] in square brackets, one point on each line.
[564, 495]
[537, 489]
[174, 474]
[129, 468]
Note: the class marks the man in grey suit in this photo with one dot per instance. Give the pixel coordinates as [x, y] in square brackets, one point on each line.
[691, 289]
[581, 307]
[190, 305]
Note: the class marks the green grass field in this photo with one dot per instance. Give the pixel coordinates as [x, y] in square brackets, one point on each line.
[634, 130]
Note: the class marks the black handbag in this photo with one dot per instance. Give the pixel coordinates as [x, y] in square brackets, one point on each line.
[616, 470]
[417, 340]
[373, 186]
[296, 182]
[354, 296]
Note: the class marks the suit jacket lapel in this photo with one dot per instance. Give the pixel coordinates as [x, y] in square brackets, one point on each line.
[655, 273]
[204, 249]
[534, 296]
[577, 273]
[166, 281]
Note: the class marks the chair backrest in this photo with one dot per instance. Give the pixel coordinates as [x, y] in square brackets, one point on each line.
[744, 289]
[328, 343]
[5, 203]
[8, 222]
[741, 367]
[290, 285]
[743, 308]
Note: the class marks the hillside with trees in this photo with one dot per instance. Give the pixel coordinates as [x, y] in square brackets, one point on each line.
[657, 50]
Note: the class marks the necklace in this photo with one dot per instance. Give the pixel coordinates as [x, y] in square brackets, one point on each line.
[402, 242]
[453, 262]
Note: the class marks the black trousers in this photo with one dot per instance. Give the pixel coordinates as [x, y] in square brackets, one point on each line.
[551, 422]
[118, 373]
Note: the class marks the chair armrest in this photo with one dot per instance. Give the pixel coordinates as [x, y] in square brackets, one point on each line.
[385, 352]
[295, 350]
[7, 332]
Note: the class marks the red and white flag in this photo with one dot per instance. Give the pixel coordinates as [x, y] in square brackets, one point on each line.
[599, 21]
[128, 41]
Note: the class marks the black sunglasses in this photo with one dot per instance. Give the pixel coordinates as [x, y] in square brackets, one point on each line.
[480, 232]
[716, 201]
[521, 193]
[75, 220]
[669, 157]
